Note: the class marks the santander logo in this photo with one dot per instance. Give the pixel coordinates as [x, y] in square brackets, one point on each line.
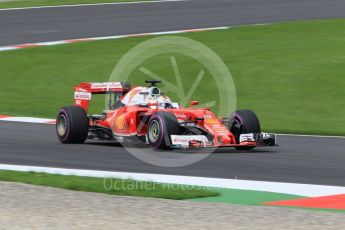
[181, 140]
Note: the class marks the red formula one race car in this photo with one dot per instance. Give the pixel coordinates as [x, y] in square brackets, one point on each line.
[145, 114]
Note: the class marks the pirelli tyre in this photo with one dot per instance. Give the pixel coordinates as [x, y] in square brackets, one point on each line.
[72, 125]
[244, 121]
[160, 126]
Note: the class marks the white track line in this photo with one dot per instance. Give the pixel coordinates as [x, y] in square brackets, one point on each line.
[264, 186]
[92, 4]
[28, 120]
[310, 135]
[67, 41]
[5, 48]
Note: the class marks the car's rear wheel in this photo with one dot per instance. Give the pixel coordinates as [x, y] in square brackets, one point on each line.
[160, 126]
[72, 125]
[243, 121]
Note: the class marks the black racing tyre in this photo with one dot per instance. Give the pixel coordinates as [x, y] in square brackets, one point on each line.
[160, 126]
[72, 125]
[244, 121]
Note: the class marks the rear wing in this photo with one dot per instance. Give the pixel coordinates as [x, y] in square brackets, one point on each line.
[84, 91]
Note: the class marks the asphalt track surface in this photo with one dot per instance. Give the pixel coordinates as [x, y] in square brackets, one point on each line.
[51, 24]
[298, 159]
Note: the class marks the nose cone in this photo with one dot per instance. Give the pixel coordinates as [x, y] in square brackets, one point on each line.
[225, 139]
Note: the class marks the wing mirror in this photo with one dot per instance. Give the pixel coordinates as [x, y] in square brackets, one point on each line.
[192, 103]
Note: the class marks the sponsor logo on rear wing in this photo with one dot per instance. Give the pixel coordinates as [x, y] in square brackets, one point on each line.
[106, 85]
[82, 96]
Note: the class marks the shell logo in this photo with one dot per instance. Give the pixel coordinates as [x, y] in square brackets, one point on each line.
[211, 121]
[121, 122]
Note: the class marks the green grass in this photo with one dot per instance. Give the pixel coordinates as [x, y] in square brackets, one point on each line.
[291, 74]
[113, 186]
[108, 186]
[31, 3]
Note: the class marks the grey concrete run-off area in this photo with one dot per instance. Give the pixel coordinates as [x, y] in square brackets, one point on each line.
[36, 207]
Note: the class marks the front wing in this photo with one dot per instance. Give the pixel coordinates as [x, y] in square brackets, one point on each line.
[248, 139]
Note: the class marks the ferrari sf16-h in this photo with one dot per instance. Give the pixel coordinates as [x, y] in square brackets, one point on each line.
[144, 113]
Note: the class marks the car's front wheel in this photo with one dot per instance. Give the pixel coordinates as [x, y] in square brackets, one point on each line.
[72, 125]
[160, 126]
[244, 121]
